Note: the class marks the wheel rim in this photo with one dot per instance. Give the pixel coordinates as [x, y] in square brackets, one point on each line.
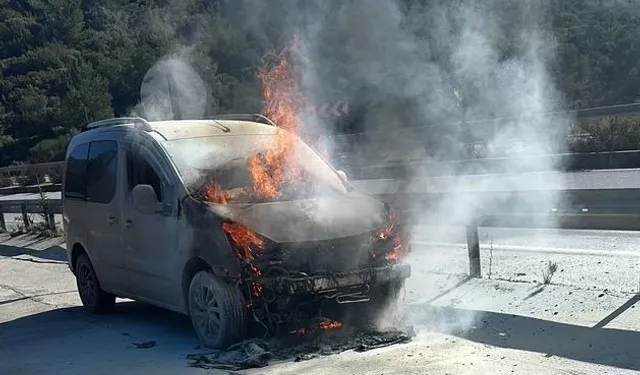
[86, 284]
[206, 312]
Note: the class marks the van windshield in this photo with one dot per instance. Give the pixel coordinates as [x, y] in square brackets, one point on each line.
[227, 162]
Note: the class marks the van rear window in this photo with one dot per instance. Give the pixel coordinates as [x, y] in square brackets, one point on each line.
[91, 172]
[75, 181]
[102, 171]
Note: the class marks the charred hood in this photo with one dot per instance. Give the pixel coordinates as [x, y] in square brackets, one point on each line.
[315, 219]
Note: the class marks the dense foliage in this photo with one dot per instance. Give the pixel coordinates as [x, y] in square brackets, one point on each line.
[66, 62]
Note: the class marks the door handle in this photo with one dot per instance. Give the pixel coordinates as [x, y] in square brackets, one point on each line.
[111, 219]
[128, 224]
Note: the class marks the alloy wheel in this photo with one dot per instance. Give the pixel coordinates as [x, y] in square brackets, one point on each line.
[206, 313]
[86, 284]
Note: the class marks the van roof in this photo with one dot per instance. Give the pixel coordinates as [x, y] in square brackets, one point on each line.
[180, 129]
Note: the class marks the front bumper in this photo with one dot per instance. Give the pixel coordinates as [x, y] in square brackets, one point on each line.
[331, 282]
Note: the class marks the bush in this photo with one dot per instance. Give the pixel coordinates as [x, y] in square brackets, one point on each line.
[607, 134]
[50, 149]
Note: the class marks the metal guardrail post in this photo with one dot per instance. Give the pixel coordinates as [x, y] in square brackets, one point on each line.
[51, 220]
[25, 216]
[3, 225]
[473, 245]
[48, 216]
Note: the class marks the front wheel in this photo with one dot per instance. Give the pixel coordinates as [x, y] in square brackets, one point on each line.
[94, 299]
[217, 310]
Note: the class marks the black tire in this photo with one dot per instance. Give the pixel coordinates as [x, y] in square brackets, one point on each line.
[94, 299]
[218, 311]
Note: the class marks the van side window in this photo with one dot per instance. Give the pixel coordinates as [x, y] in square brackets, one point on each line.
[75, 185]
[140, 171]
[102, 171]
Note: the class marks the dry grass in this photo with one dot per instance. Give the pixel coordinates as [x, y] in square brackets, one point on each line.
[548, 272]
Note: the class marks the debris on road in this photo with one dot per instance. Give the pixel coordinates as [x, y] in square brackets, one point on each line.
[256, 352]
[145, 345]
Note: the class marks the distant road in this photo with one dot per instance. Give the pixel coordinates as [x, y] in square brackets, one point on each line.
[29, 196]
[534, 181]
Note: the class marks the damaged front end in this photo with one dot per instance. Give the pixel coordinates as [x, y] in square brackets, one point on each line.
[289, 284]
[307, 241]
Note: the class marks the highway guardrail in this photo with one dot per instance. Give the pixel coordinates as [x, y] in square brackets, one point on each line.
[604, 200]
[16, 177]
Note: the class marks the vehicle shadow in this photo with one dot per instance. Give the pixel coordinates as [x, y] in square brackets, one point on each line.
[69, 340]
[597, 345]
[37, 247]
[145, 337]
[127, 313]
[52, 253]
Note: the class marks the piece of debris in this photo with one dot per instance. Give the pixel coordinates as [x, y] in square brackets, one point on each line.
[382, 339]
[145, 345]
[253, 353]
[256, 353]
[306, 357]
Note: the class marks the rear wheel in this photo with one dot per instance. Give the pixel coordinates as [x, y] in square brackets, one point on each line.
[217, 310]
[94, 299]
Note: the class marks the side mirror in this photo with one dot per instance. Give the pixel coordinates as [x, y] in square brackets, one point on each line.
[145, 199]
[343, 176]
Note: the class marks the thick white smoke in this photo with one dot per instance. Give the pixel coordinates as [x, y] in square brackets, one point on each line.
[433, 64]
[172, 89]
[406, 64]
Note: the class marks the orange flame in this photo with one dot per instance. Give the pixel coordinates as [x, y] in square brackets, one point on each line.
[325, 325]
[284, 102]
[283, 105]
[215, 194]
[391, 232]
[275, 167]
[245, 241]
[330, 325]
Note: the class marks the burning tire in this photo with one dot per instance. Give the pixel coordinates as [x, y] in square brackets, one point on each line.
[217, 311]
[94, 299]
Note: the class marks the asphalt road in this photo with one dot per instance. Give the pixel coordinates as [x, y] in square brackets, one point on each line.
[588, 240]
[585, 259]
[503, 325]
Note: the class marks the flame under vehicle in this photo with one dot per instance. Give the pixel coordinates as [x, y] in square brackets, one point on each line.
[204, 218]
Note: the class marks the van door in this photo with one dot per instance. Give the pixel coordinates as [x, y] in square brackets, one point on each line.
[151, 239]
[102, 215]
[74, 194]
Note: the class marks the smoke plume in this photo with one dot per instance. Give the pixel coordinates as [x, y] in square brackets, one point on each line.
[172, 89]
[428, 64]
[439, 65]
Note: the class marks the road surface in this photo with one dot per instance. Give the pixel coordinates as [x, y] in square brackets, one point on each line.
[585, 258]
[533, 181]
[487, 326]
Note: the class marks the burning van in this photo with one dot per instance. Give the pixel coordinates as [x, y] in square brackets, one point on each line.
[234, 221]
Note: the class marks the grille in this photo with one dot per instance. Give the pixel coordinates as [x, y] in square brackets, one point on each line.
[335, 255]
